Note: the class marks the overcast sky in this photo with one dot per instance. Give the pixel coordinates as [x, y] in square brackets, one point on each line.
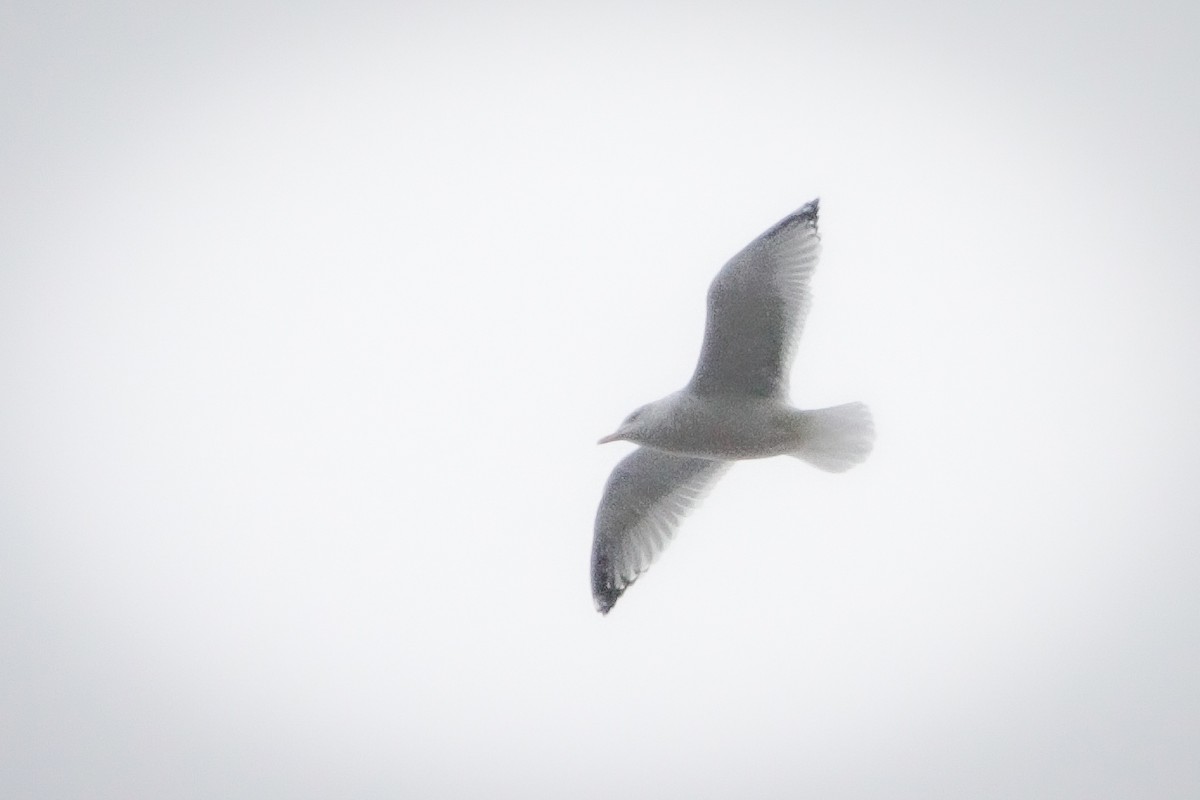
[311, 315]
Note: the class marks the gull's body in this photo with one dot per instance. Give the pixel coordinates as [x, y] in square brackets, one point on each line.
[686, 423]
[734, 408]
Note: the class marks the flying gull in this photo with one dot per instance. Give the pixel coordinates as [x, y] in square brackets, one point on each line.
[735, 407]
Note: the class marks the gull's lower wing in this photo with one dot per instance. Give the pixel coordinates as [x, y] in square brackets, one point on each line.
[647, 495]
[756, 309]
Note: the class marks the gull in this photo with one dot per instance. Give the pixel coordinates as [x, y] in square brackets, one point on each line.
[735, 407]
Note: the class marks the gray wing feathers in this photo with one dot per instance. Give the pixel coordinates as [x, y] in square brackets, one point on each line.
[756, 309]
[647, 495]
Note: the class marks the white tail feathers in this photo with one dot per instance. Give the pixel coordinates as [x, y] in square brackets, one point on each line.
[836, 439]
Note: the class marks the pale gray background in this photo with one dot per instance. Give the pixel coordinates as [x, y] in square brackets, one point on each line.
[311, 313]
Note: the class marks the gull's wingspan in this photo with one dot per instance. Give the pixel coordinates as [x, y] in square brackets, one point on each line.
[647, 495]
[756, 309]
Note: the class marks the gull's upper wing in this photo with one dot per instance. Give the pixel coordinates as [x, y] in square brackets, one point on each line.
[756, 309]
[647, 495]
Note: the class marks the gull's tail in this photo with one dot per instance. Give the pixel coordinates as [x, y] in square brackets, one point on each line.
[835, 439]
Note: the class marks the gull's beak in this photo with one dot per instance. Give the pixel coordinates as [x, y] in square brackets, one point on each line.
[612, 437]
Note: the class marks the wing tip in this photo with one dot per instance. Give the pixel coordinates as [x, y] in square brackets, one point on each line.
[607, 587]
[810, 211]
[803, 217]
[606, 597]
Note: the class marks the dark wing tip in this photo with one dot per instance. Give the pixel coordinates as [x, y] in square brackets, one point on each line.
[606, 597]
[810, 211]
[606, 588]
[803, 217]
[604, 604]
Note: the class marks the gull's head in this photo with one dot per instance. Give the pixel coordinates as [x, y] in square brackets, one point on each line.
[634, 426]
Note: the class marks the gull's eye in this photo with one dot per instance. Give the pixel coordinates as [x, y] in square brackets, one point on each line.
[633, 416]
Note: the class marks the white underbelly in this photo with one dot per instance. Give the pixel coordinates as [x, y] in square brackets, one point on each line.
[730, 429]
